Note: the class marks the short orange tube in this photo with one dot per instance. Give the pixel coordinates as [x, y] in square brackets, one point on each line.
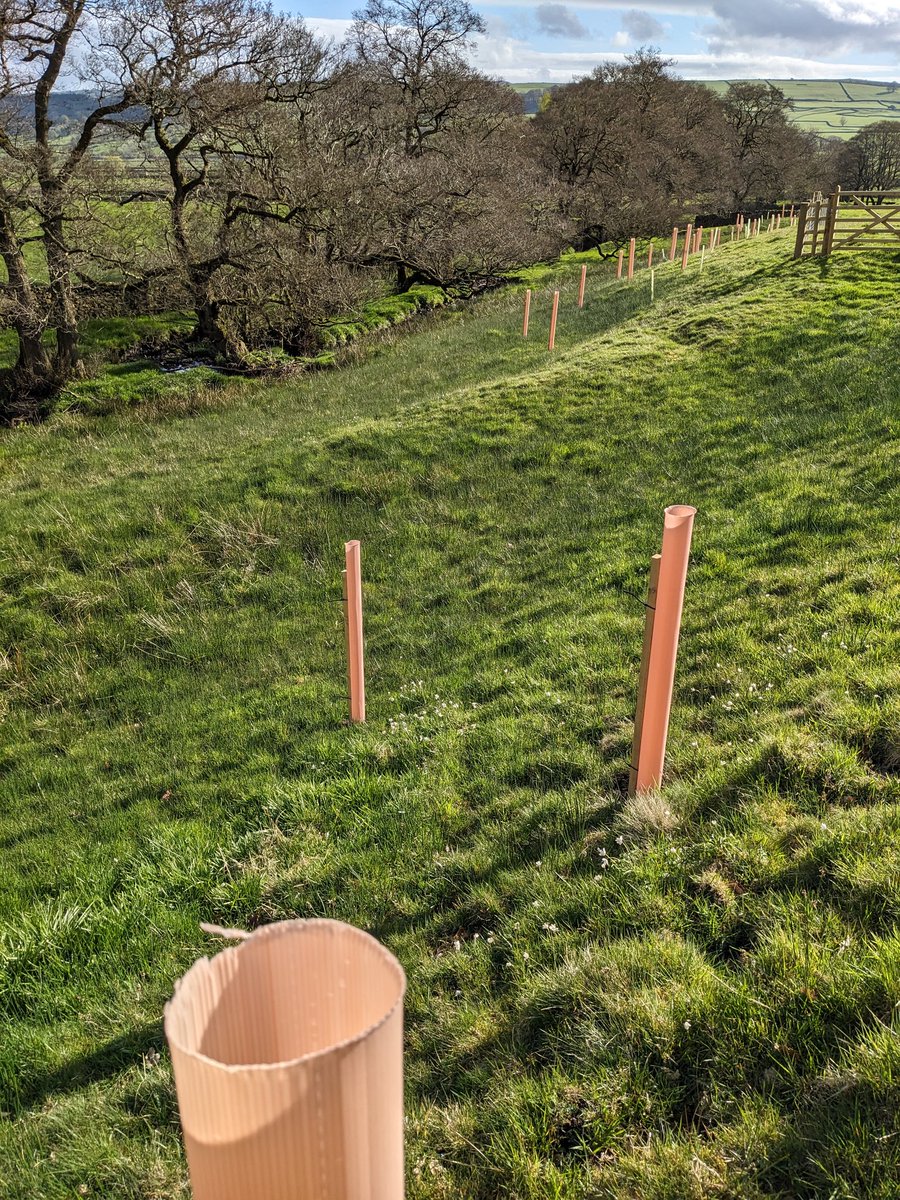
[552, 342]
[676, 546]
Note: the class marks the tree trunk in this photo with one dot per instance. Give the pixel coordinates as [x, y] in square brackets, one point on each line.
[25, 388]
[62, 292]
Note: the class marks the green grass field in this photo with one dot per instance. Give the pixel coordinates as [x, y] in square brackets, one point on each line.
[686, 996]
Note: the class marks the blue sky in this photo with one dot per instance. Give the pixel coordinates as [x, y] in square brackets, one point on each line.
[712, 39]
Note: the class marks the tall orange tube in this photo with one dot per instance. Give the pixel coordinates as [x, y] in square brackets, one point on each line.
[631, 259]
[674, 243]
[687, 246]
[552, 342]
[355, 667]
[676, 547]
[581, 284]
[526, 313]
[621, 259]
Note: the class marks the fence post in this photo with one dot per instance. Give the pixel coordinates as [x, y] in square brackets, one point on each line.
[687, 246]
[649, 614]
[631, 246]
[354, 609]
[831, 219]
[801, 230]
[676, 546]
[527, 312]
[581, 285]
[552, 342]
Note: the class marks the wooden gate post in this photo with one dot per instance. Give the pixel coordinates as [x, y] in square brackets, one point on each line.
[801, 230]
[833, 203]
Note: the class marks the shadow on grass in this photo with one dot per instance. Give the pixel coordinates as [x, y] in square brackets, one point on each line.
[112, 1058]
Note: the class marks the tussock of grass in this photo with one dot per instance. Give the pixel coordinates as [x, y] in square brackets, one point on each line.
[601, 1004]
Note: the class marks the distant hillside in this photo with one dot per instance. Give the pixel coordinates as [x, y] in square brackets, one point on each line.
[832, 107]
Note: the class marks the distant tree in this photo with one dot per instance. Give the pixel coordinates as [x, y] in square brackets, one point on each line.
[45, 184]
[771, 157]
[631, 146]
[436, 145]
[870, 160]
[223, 87]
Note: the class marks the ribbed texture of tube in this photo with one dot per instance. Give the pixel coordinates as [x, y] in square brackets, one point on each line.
[288, 1059]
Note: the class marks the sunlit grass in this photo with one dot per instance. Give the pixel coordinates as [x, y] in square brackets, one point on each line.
[687, 997]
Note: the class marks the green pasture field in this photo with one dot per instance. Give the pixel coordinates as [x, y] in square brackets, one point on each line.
[834, 107]
[693, 994]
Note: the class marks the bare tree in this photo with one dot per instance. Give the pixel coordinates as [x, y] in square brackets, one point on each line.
[771, 158]
[870, 161]
[42, 43]
[631, 145]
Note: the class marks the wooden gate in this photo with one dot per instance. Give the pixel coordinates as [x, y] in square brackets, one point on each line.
[849, 221]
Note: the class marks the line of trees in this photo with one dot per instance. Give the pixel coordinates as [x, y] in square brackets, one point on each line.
[231, 163]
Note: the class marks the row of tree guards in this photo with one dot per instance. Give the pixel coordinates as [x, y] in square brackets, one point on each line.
[691, 243]
[287, 1049]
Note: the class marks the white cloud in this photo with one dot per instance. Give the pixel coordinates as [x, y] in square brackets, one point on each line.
[557, 20]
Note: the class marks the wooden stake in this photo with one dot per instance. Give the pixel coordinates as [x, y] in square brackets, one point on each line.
[581, 285]
[652, 284]
[676, 547]
[552, 342]
[649, 614]
[526, 313]
[356, 678]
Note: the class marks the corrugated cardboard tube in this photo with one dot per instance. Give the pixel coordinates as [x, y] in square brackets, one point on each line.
[288, 1059]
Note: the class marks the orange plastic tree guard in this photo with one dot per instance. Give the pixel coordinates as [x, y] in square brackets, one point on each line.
[356, 676]
[650, 255]
[581, 285]
[649, 613]
[287, 1052]
[526, 312]
[674, 243]
[687, 246]
[553, 315]
[631, 246]
[619, 264]
[676, 546]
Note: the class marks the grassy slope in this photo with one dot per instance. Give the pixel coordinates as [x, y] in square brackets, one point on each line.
[691, 997]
